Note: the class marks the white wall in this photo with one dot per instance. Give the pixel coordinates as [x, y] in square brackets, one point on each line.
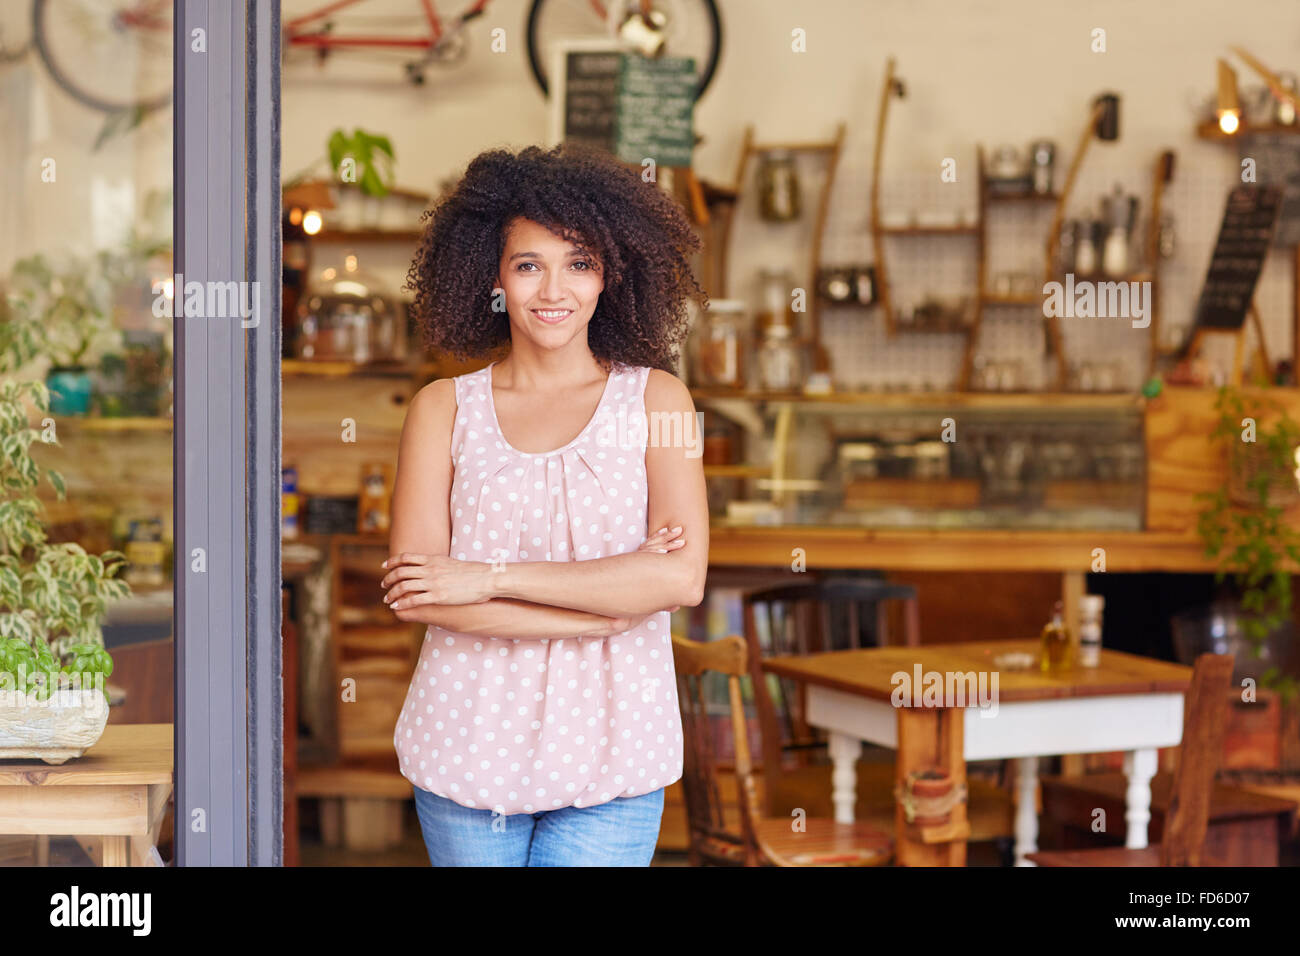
[976, 71]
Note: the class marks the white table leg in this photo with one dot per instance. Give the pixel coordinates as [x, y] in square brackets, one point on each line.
[844, 753]
[1139, 767]
[1026, 809]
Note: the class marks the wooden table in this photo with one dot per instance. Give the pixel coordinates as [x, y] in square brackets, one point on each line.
[1128, 703]
[117, 790]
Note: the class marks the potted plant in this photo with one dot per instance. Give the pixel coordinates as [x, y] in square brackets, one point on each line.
[361, 165]
[1244, 525]
[53, 664]
[72, 307]
[928, 797]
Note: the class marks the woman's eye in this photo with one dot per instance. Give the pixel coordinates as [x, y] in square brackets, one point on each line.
[520, 267]
[585, 264]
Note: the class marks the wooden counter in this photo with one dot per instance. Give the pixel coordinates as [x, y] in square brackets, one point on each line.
[1182, 462]
[1060, 551]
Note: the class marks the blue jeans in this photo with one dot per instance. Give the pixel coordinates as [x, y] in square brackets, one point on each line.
[621, 832]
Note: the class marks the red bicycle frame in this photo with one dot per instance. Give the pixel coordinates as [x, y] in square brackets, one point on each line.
[324, 40]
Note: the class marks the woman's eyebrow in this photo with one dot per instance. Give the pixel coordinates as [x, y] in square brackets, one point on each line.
[537, 255]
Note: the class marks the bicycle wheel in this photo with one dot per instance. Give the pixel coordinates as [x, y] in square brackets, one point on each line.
[110, 55]
[691, 27]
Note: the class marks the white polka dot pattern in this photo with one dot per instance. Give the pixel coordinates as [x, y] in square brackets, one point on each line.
[523, 726]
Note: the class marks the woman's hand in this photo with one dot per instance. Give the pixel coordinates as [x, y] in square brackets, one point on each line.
[664, 540]
[414, 579]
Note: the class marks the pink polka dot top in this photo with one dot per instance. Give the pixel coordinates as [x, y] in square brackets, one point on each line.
[522, 726]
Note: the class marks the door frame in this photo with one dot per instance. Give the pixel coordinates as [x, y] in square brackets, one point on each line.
[226, 437]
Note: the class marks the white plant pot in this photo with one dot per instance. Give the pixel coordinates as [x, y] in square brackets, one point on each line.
[392, 213]
[348, 213]
[370, 211]
[53, 730]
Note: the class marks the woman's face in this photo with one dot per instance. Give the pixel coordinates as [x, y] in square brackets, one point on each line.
[551, 285]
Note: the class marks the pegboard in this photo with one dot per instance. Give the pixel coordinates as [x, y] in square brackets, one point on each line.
[1016, 238]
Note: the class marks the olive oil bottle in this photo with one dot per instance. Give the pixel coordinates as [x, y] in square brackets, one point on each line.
[1056, 655]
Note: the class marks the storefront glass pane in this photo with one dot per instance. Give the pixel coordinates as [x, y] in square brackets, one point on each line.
[85, 317]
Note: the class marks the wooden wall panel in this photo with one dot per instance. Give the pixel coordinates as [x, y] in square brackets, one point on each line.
[981, 606]
[1181, 459]
[314, 409]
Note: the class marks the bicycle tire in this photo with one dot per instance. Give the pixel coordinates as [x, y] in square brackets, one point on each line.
[69, 86]
[715, 47]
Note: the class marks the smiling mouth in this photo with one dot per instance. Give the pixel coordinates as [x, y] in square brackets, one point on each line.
[552, 315]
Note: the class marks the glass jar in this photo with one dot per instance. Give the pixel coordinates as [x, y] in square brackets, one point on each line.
[780, 360]
[778, 183]
[718, 346]
[775, 288]
[349, 314]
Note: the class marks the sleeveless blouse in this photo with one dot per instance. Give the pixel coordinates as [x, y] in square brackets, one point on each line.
[523, 726]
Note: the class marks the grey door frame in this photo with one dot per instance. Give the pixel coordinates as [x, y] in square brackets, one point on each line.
[226, 451]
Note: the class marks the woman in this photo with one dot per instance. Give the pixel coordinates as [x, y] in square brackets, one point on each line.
[541, 724]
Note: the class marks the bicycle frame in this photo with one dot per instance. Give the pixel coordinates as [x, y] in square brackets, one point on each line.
[324, 41]
[327, 40]
[148, 16]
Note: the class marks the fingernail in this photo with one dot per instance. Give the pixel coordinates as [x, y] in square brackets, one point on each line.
[385, 564]
[678, 528]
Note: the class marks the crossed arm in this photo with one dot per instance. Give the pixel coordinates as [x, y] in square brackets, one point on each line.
[541, 599]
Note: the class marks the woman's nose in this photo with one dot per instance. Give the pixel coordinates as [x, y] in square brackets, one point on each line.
[553, 285]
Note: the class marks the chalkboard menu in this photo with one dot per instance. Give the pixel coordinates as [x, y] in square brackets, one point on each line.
[1277, 163]
[629, 105]
[1248, 225]
[656, 102]
[591, 82]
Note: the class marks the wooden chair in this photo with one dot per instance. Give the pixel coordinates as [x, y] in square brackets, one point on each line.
[1204, 718]
[797, 619]
[759, 840]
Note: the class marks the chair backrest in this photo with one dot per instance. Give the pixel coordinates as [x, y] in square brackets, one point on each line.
[1204, 717]
[710, 838]
[795, 619]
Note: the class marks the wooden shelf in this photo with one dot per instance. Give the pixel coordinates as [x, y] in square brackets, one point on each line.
[1143, 276]
[993, 196]
[113, 424]
[1210, 130]
[993, 400]
[367, 235]
[330, 368]
[990, 298]
[950, 230]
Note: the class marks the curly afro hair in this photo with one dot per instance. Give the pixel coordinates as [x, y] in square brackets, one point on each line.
[639, 233]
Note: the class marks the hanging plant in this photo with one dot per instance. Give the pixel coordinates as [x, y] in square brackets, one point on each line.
[1243, 523]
